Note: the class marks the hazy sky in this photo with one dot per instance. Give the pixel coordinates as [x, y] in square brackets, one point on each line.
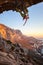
[33, 27]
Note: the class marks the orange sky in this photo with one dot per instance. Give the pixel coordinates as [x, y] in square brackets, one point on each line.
[34, 34]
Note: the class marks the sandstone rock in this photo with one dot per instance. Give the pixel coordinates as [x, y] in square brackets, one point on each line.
[15, 54]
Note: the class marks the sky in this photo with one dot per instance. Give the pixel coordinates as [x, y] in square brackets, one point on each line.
[33, 27]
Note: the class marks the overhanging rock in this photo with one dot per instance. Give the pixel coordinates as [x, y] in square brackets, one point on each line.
[13, 4]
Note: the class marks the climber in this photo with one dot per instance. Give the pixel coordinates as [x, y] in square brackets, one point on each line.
[25, 16]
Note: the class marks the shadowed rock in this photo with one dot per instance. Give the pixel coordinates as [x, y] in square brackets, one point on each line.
[15, 54]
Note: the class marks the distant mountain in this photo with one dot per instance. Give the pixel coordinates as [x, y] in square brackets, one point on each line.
[17, 36]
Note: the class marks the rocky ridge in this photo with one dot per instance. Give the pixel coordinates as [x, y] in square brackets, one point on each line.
[15, 54]
[17, 36]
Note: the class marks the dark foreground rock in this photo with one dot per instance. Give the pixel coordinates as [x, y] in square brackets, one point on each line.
[15, 54]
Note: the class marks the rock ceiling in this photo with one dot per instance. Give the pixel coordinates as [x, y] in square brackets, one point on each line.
[18, 6]
[13, 4]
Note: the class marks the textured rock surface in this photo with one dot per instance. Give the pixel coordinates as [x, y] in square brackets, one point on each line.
[10, 4]
[18, 6]
[17, 36]
[15, 54]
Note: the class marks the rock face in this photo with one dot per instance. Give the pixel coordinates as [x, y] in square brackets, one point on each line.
[16, 36]
[15, 54]
[9, 33]
[17, 49]
[12, 4]
[18, 6]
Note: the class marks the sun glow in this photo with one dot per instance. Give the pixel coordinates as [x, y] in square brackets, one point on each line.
[35, 35]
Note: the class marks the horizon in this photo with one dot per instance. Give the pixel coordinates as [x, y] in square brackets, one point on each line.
[33, 27]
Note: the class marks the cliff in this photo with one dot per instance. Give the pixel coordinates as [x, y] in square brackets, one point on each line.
[15, 54]
[17, 36]
[12, 4]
